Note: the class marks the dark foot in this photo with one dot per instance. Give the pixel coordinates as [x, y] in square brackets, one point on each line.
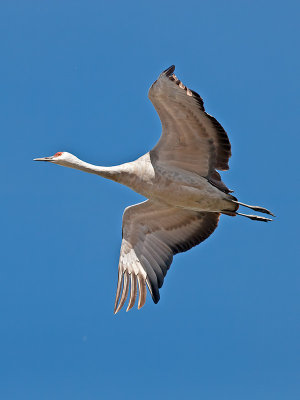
[262, 210]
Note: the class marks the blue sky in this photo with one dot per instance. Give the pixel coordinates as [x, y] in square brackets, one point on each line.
[75, 77]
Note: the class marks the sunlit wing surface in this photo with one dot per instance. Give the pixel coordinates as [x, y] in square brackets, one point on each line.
[191, 139]
[152, 234]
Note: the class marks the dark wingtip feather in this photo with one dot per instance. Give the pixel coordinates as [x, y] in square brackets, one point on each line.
[199, 99]
[169, 71]
[151, 279]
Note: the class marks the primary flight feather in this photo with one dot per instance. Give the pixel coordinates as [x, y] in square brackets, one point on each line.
[179, 177]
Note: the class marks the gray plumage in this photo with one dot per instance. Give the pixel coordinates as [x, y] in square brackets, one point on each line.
[180, 179]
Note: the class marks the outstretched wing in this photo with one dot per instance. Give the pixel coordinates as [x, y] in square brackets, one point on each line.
[152, 234]
[191, 139]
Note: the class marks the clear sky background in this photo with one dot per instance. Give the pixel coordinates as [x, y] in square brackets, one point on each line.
[75, 77]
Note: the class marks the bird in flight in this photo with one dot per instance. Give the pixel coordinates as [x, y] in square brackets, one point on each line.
[185, 193]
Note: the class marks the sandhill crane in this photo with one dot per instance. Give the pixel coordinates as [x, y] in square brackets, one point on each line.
[185, 194]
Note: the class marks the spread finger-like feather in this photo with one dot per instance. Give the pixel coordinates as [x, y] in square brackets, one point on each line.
[125, 291]
[119, 287]
[133, 291]
[142, 291]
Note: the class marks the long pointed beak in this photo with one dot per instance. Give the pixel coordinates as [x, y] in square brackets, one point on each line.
[43, 159]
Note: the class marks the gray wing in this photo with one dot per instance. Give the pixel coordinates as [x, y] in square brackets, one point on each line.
[152, 234]
[191, 139]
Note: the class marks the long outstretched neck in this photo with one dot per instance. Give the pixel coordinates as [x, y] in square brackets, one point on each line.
[115, 173]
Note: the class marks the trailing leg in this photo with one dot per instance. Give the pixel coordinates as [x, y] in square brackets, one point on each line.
[255, 208]
[255, 217]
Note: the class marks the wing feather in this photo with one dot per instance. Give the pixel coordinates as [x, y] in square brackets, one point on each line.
[133, 291]
[152, 234]
[124, 292]
[142, 291]
[191, 139]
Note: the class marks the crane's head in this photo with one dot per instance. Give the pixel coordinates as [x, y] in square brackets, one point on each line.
[61, 158]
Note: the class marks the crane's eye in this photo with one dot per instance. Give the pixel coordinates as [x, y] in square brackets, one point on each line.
[57, 154]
